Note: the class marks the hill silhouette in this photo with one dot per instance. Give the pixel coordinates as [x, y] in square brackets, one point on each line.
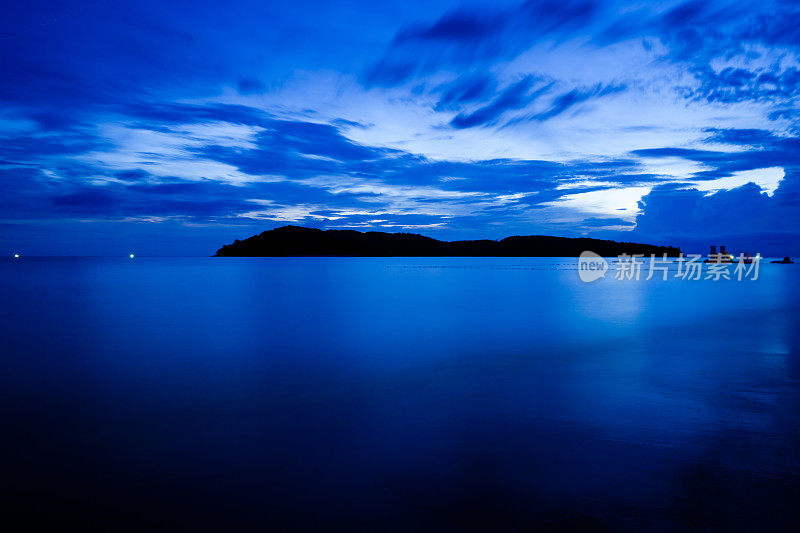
[299, 241]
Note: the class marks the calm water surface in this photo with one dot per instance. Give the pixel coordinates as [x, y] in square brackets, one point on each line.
[396, 394]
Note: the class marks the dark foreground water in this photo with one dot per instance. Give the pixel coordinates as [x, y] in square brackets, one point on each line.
[395, 395]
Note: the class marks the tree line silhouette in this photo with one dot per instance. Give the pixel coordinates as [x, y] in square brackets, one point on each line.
[300, 241]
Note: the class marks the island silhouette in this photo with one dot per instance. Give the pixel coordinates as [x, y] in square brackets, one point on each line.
[301, 241]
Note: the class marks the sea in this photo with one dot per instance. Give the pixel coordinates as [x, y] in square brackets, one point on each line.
[396, 394]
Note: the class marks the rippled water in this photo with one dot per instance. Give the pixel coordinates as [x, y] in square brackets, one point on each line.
[392, 393]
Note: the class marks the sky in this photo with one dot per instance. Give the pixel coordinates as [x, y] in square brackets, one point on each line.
[171, 128]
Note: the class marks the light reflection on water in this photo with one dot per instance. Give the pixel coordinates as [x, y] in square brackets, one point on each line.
[392, 392]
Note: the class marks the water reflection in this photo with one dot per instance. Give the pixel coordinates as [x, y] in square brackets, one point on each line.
[392, 393]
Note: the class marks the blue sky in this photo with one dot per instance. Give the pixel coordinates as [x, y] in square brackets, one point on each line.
[174, 127]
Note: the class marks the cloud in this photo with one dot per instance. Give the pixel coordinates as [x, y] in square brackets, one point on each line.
[765, 150]
[732, 85]
[594, 222]
[468, 36]
[745, 216]
[465, 90]
[249, 85]
[668, 210]
[735, 51]
[459, 118]
[88, 200]
[211, 163]
[458, 26]
[515, 96]
[574, 97]
[746, 137]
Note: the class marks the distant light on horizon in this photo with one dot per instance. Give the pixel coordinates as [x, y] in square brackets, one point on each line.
[131, 256]
[16, 256]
